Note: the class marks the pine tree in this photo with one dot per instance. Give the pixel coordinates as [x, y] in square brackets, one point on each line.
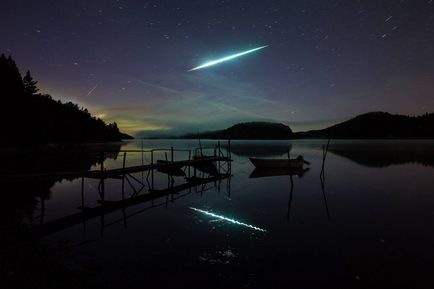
[11, 83]
[30, 87]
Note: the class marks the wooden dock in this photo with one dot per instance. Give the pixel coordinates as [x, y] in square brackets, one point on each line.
[118, 172]
[197, 171]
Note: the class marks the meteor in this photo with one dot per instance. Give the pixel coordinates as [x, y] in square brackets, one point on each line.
[93, 88]
[214, 62]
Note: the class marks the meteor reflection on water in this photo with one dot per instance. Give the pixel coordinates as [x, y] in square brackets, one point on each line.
[228, 219]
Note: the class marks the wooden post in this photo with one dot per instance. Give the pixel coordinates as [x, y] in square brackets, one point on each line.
[82, 192]
[124, 216]
[123, 175]
[42, 210]
[82, 201]
[200, 146]
[291, 193]
[102, 177]
[228, 185]
[292, 186]
[229, 148]
[229, 157]
[152, 170]
[102, 162]
[289, 167]
[123, 162]
[189, 166]
[325, 149]
[219, 154]
[171, 154]
[142, 150]
[152, 178]
[322, 177]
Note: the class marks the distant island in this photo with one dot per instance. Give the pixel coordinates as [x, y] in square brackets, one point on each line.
[373, 125]
[378, 125]
[249, 130]
[29, 117]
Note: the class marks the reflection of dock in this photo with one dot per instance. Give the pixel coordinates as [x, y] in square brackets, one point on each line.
[111, 206]
[273, 172]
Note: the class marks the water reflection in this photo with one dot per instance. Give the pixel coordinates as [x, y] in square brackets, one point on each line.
[346, 218]
[273, 172]
[21, 175]
[230, 220]
[384, 153]
[146, 192]
[25, 261]
[259, 149]
[325, 149]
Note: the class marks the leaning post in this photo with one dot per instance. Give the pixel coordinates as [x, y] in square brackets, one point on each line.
[289, 167]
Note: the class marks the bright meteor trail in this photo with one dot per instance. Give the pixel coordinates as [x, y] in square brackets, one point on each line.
[213, 62]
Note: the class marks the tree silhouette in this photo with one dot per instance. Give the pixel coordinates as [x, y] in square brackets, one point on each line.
[30, 87]
[40, 119]
[11, 84]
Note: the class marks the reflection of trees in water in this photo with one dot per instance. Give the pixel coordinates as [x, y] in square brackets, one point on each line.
[24, 261]
[22, 196]
[21, 199]
[61, 159]
[386, 154]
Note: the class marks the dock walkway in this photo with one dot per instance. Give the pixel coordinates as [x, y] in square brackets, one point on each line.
[113, 173]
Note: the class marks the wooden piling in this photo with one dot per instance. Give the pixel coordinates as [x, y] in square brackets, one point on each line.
[290, 169]
[219, 154]
[171, 154]
[142, 150]
[123, 175]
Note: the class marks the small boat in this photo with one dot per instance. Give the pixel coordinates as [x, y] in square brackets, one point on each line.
[279, 163]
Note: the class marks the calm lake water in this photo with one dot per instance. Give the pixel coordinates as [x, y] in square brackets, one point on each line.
[367, 224]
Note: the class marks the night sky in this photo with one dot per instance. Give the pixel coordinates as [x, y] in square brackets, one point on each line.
[128, 61]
